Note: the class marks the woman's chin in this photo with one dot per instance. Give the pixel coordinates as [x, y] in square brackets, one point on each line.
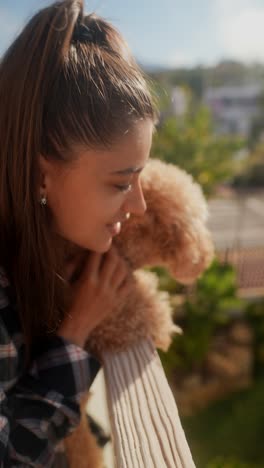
[103, 246]
[108, 244]
[99, 244]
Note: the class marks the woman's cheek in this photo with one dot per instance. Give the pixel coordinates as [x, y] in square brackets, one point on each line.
[104, 204]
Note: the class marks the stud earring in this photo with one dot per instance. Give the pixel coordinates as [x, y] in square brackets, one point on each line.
[43, 200]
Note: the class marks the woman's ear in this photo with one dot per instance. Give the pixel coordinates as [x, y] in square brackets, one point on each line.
[46, 171]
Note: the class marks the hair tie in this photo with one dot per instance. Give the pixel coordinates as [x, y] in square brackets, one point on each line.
[82, 33]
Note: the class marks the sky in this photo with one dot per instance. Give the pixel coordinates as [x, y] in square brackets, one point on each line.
[168, 33]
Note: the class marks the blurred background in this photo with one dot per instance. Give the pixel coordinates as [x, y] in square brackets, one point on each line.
[205, 59]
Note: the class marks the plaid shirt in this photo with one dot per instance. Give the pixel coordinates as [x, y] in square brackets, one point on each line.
[40, 407]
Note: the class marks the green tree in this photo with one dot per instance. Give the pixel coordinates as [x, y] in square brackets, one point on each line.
[204, 311]
[257, 126]
[221, 462]
[191, 144]
[251, 174]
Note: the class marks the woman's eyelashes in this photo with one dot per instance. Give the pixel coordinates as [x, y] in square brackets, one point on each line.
[124, 188]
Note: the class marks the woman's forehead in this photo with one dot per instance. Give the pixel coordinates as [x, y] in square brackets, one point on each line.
[131, 153]
[126, 156]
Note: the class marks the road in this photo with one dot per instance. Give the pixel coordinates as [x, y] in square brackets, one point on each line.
[238, 222]
[237, 226]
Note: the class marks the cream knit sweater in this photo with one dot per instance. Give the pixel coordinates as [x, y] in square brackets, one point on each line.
[146, 429]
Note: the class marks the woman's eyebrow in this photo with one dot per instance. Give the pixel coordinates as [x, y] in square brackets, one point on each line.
[129, 170]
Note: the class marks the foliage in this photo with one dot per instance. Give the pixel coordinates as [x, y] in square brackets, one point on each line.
[255, 315]
[161, 95]
[167, 282]
[191, 144]
[252, 174]
[221, 462]
[231, 428]
[257, 125]
[193, 78]
[230, 463]
[204, 311]
[227, 72]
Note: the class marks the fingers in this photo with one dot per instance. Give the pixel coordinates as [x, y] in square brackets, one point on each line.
[109, 265]
[114, 271]
[73, 266]
[105, 271]
[124, 287]
[93, 265]
[69, 270]
[119, 275]
[104, 278]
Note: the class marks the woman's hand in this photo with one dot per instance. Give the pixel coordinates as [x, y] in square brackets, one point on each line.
[103, 277]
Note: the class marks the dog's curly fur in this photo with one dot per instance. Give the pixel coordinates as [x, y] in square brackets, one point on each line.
[172, 234]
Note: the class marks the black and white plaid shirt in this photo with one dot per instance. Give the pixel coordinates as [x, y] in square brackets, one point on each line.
[40, 407]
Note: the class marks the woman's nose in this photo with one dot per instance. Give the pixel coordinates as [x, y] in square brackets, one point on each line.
[136, 203]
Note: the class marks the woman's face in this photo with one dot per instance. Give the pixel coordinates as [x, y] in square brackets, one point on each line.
[88, 196]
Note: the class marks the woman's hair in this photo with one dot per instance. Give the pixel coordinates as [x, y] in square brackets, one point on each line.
[68, 78]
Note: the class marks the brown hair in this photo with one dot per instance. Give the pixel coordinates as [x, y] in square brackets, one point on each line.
[67, 78]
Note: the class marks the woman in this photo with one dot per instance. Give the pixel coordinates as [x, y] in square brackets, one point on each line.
[76, 123]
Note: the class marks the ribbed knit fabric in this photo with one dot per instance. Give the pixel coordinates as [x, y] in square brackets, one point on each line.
[146, 429]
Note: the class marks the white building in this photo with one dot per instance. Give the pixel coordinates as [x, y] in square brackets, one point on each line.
[234, 107]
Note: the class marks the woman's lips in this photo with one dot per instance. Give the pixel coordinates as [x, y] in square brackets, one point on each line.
[114, 228]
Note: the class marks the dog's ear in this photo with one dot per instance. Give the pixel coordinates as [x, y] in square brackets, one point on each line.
[178, 212]
[194, 255]
[171, 195]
